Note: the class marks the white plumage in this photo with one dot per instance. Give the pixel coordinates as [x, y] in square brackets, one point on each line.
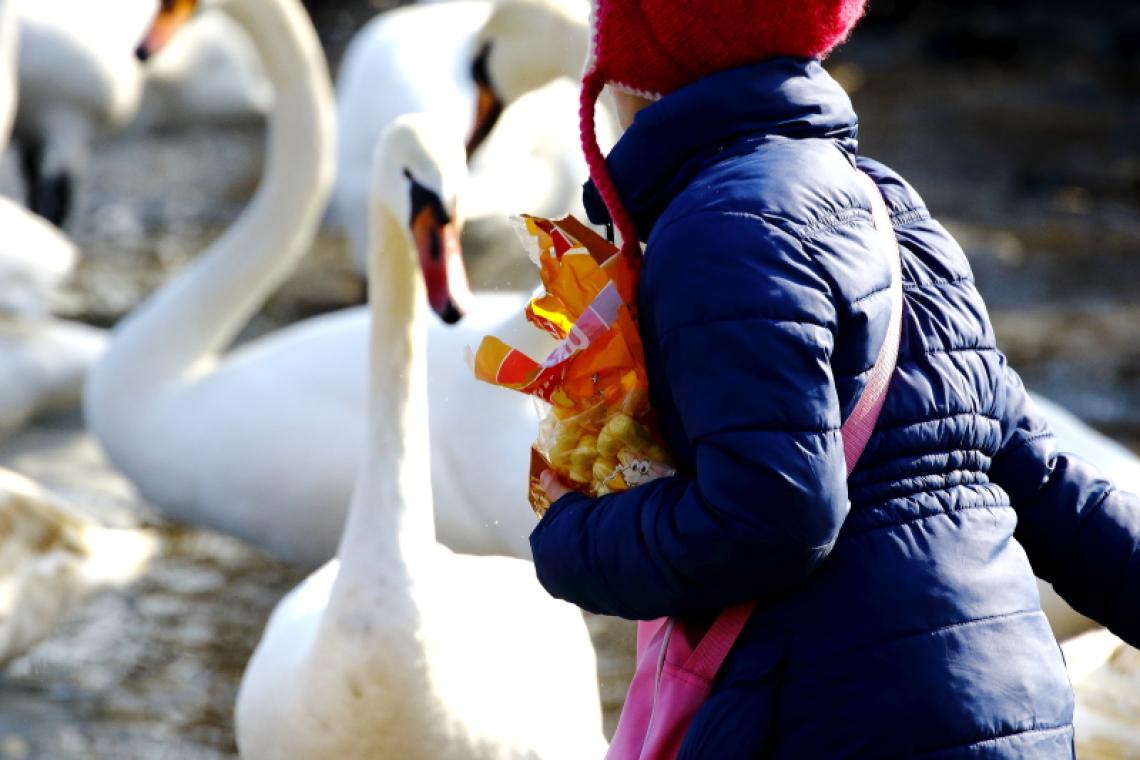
[35, 259]
[401, 648]
[51, 557]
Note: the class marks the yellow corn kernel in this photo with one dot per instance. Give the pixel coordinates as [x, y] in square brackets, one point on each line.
[632, 434]
[582, 458]
[580, 476]
[603, 468]
[566, 435]
[560, 459]
[608, 444]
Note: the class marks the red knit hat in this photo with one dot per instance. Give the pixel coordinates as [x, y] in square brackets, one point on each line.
[653, 47]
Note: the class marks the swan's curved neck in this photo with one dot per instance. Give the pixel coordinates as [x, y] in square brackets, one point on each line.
[189, 321]
[391, 523]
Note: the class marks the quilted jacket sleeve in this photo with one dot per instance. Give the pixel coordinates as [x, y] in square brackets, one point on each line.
[745, 325]
[1081, 534]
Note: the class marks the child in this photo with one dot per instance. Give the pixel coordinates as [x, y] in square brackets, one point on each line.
[898, 613]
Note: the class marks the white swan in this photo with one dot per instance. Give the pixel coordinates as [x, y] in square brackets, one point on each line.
[400, 648]
[1105, 673]
[77, 78]
[50, 558]
[425, 58]
[262, 443]
[80, 80]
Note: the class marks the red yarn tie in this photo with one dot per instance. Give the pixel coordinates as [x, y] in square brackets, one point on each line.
[592, 85]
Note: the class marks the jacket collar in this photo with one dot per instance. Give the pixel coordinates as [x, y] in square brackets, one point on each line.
[671, 140]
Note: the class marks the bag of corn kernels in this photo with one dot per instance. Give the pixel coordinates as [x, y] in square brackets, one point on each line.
[597, 429]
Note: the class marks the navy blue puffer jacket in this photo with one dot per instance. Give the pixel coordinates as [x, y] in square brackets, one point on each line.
[898, 615]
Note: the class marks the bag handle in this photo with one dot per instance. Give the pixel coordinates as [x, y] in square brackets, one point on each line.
[860, 424]
[714, 647]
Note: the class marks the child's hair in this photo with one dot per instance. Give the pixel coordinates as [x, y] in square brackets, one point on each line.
[652, 47]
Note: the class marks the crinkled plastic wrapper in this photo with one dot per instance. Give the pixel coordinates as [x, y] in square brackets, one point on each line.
[597, 429]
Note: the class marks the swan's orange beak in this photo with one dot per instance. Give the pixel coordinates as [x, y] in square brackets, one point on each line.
[441, 260]
[488, 109]
[172, 14]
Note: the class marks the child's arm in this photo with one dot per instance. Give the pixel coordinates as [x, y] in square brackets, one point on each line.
[1080, 533]
[745, 324]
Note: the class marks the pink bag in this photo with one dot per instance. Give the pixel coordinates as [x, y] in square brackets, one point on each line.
[673, 675]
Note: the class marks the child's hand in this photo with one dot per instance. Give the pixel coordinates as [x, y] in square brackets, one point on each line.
[553, 486]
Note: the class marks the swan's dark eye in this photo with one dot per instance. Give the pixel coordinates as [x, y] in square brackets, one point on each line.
[479, 71]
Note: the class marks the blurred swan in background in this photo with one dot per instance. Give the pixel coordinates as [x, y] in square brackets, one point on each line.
[42, 360]
[399, 647]
[210, 73]
[262, 442]
[43, 363]
[523, 46]
[35, 259]
[1105, 673]
[51, 557]
[79, 80]
[427, 58]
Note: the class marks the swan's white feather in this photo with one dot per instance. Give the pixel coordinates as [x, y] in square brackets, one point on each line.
[43, 363]
[51, 556]
[35, 259]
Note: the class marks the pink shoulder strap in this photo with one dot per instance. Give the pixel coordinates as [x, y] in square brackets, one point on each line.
[714, 647]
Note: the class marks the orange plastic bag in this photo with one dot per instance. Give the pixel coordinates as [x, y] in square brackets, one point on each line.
[598, 432]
